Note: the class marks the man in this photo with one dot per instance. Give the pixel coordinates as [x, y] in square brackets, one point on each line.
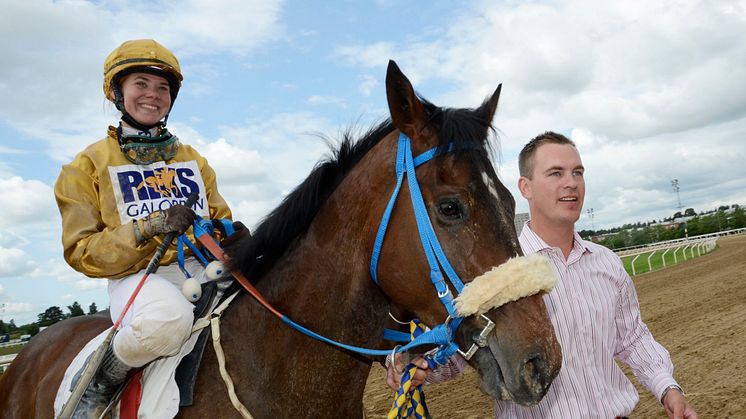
[593, 307]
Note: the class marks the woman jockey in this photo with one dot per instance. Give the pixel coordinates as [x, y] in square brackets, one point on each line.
[119, 196]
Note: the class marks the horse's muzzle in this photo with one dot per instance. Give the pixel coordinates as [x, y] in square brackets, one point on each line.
[522, 357]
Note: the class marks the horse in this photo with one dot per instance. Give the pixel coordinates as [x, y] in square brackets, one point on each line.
[310, 259]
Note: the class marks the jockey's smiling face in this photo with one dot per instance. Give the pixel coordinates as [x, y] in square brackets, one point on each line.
[146, 97]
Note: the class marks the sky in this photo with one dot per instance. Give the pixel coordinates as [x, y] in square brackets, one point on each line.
[650, 92]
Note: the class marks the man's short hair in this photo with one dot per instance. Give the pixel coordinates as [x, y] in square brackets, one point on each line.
[526, 157]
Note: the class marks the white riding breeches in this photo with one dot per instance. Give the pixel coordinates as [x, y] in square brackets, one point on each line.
[160, 318]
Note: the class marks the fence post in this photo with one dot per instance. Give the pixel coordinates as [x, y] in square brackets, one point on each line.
[650, 265]
[633, 264]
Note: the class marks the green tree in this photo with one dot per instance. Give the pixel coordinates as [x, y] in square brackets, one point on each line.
[707, 224]
[29, 329]
[75, 310]
[694, 226]
[738, 218]
[722, 219]
[92, 309]
[619, 240]
[51, 316]
[689, 212]
[640, 236]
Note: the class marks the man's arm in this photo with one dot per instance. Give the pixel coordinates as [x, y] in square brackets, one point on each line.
[649, 360]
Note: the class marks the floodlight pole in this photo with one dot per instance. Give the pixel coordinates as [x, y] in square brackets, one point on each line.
[675, 184]
[593, 225]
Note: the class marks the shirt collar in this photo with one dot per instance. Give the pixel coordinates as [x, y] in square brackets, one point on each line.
[532, 243]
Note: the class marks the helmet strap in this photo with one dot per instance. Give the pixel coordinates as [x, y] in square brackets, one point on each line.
[126, 117]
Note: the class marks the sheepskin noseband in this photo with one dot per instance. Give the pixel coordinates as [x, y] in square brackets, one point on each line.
[517, 278]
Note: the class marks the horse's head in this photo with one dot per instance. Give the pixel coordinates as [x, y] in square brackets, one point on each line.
[471, 212]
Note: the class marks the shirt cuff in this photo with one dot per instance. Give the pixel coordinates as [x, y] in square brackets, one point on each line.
[660, 383]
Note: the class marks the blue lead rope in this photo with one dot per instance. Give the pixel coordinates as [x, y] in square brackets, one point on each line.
[201, 226]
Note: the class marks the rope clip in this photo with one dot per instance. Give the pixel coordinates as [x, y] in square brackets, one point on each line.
[479, 341]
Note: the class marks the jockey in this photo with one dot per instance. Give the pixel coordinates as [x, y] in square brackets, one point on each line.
[119, 196]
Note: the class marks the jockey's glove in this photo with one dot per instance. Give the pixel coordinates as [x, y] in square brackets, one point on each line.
[175, 219]
[240, 232]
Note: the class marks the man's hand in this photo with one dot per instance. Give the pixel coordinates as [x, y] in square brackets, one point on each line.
[677, 407]
[396, 369]
[175, 219]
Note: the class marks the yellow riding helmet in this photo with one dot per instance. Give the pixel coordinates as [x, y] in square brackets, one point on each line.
[144, 55]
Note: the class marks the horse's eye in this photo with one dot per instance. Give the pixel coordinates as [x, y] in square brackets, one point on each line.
[451, 209]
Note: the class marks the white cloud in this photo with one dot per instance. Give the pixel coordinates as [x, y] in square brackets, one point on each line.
[623, 69]
[50, 80]
[10, 150]
[59, 270]
[10, 239]
[15, 262]
[260, 161]
[327, 100]
[372, 55]
[12, 309]
[368, 84]
[90, 284]
[25, 202]
[646, 90]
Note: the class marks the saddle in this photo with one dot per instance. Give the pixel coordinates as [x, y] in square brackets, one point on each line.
[131, 395]
[186, 372]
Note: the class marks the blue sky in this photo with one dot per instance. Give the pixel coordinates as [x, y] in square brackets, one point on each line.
[650, 91]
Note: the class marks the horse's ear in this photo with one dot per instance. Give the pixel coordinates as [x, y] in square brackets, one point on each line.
[407, 111]
[488, 108]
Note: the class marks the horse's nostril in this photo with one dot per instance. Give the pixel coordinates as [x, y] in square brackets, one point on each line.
[534, 374]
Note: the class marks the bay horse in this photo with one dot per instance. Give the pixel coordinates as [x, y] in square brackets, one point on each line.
[310, 259]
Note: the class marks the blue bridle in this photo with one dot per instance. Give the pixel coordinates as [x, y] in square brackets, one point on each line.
[436, 258]
[442, 335]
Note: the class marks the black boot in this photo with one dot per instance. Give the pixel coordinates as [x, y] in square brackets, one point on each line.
[103, 387]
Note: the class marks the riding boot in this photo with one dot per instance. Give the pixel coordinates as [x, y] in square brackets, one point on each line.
[105, 384]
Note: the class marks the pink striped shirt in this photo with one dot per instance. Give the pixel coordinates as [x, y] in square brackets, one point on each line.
[596, 316]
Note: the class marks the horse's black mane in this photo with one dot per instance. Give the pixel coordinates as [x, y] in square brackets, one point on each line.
[467, 129]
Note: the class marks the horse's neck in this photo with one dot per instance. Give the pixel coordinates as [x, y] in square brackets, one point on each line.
[325, 276]
[322, 283]
[286, 373]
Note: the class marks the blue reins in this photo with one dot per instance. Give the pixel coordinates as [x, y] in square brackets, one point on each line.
[443, 334]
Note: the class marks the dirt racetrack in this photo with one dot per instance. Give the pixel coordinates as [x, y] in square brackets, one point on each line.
[696, 309]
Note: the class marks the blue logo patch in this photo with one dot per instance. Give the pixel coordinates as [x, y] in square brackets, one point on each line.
[140, 190]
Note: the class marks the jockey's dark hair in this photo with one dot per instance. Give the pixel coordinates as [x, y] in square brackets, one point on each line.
[526, 157]
[467, 129]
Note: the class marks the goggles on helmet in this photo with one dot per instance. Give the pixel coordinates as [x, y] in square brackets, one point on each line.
[145, 149]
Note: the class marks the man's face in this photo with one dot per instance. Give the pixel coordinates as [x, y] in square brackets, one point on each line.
[557, 188]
